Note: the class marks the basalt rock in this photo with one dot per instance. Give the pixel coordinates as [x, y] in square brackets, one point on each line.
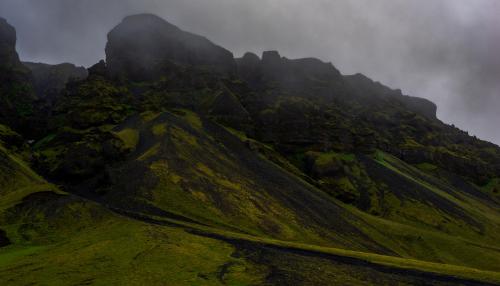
[49, 80]
[374, 92]
[308, 77]
[144, 46]
[8, 55]
[16, 91]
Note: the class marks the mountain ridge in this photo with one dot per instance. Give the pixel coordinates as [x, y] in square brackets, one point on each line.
[228, 165]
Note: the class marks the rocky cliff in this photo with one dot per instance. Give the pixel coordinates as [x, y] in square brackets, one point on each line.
[17, 96]
[49, 80]
[145, 46]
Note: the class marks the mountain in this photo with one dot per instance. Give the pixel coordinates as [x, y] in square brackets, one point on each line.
[50, 80]
[143, 46]
[16, 89]
[174, 163]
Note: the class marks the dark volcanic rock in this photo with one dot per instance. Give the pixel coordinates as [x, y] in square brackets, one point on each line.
[51, 79]
[143, 46]
[4, 241]
[420, 105]
[373, 91]
[227, 108]
[8, 55]
[16, 90]
[99, 69]
[299, 76]
[248, 66]
[271, 58]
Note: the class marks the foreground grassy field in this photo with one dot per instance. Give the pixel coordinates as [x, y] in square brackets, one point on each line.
[119, 250]
[85, 244]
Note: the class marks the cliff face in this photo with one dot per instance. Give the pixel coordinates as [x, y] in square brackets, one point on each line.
[145, 46]
[370, 90]
[16, 91]
[50, 80]
[8, 54]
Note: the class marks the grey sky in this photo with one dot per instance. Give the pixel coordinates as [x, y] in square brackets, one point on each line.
[444, 50]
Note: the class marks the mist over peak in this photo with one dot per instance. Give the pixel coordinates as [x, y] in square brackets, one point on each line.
[441, 50]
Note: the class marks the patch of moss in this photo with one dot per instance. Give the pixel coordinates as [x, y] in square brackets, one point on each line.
[130, 137]
[493, 186]
[427, 167]
[159, 129]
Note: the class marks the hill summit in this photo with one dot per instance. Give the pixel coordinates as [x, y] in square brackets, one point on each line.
[143, 45]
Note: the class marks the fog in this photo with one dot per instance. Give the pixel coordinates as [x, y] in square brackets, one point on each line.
[443, 50]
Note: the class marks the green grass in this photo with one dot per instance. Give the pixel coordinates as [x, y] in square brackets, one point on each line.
[130, 137]
[493, 186]
[85, 243]
[427, 167]
[119, 251]
[396, 262]
[326, 158]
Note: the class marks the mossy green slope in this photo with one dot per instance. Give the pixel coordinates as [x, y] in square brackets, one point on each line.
[192, 169]
[59, 239]
[194, 218]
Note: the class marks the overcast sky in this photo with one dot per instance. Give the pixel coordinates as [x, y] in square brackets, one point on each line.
[443, 50]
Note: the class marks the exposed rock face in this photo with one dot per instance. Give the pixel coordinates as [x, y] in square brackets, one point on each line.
[297, 76]
[248, 67]
[4, 241]
[99, 69]
[51, 79]
[16, 90]
[143, 46]
[420, 106]
[8, 55]
[366, 88]
[227, 108]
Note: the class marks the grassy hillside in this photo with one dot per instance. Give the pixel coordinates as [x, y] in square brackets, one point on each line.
[178, 227]
[265, 172]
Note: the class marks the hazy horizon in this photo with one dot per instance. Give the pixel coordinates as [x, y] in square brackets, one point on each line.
[445, 51]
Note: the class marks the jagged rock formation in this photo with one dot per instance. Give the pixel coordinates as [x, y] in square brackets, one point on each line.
[375, 91]
[297, 77]
[16, 91]
[49, 80]
[144, 46]
[8, 54]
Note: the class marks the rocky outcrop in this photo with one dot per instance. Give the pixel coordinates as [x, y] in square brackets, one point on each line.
[8, 54]
[421, 106]
[142, 47]
[99, 69]
[298, 76]
[227, 109]
[51, 79]
[249, 67]
[371, 91]
[16, 90]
